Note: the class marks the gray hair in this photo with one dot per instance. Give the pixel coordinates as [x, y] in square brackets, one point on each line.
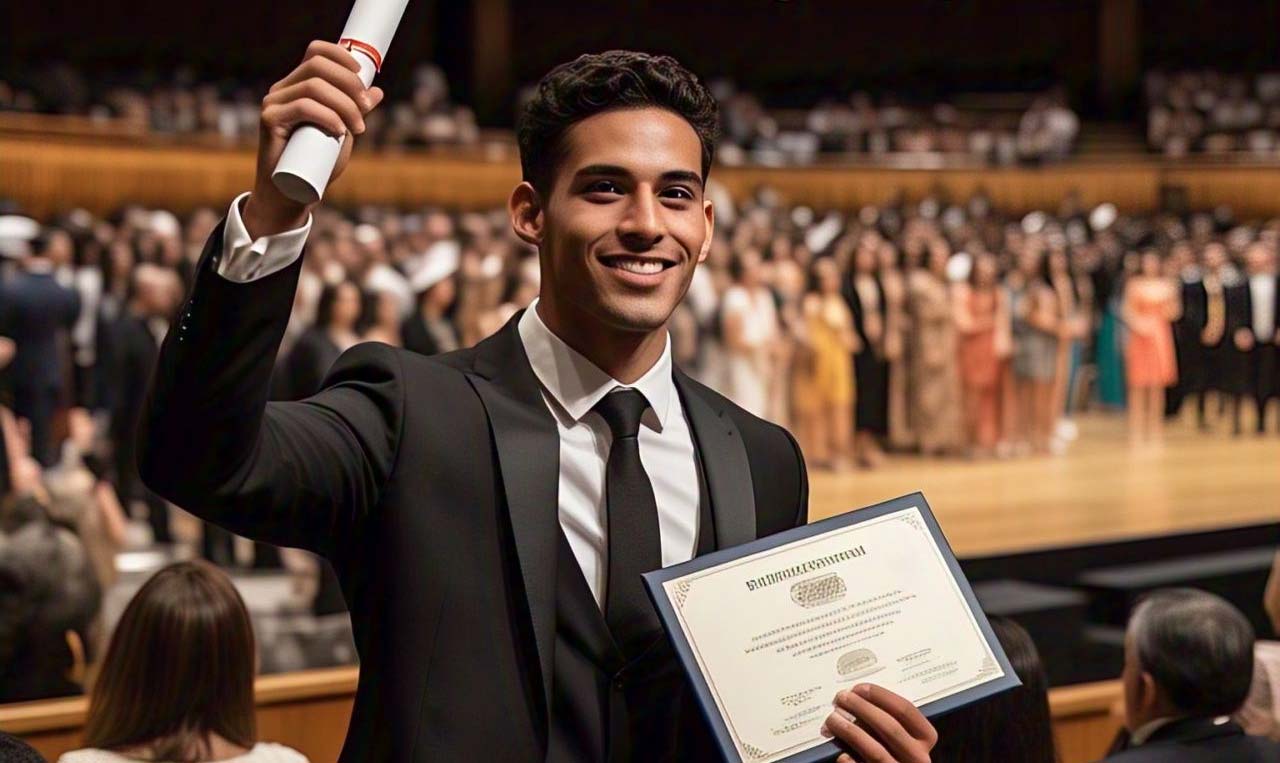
[1197, 647]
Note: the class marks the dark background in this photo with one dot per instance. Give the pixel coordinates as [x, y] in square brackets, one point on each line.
[790, 52]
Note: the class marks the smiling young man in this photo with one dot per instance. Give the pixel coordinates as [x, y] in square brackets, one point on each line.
[489, 512]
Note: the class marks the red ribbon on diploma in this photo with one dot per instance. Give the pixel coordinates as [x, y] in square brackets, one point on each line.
[365, 48]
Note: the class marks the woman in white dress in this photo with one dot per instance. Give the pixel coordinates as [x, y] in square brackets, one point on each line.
[176, 685]
[749, 319]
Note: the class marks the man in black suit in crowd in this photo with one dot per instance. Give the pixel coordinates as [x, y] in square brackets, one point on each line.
[135, 344]
[1188, 665]
[1220, 298]
[1262, 311]
[35, 311]
[489, 511]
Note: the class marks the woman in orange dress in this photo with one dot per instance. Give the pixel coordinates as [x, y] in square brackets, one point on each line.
[982, 313]
[1151, 305]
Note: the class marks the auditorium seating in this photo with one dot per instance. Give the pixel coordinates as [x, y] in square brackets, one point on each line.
[1239, 576]
[1054, 616]
[309, 711]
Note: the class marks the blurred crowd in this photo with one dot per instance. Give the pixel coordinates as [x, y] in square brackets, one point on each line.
[1214, 113]
[863, 126]
[942, 327]
[179, 103]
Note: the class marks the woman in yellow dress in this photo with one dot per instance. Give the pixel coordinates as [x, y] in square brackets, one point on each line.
[823, 390]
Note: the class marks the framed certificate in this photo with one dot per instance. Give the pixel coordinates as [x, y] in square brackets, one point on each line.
[771, 630]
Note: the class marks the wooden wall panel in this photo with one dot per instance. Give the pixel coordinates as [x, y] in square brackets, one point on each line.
[50, 175]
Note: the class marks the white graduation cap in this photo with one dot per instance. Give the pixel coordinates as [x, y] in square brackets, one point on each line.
[164, 223]
[436, 264]
[16, 234]
[1102, 216]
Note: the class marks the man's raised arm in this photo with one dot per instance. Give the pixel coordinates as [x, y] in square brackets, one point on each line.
[297, 474]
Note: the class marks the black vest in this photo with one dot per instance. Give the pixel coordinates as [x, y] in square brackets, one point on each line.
[604, 710]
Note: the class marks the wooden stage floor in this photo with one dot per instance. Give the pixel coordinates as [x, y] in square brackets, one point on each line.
[1099, 490]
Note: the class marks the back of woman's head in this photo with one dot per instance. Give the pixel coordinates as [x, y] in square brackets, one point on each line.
[1013, 727]
[180, 668]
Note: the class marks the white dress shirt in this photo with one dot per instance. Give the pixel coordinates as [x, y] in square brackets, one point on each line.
[245, 259]
[571, 386]
[1262, 296]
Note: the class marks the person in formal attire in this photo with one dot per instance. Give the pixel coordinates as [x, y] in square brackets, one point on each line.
[749, 323]
[1012, 727]
[489, 512]
[135, 344]
[1150, 308]
[1182, 269]
[1224, 335]
[935, 375]
[319, 347]
[1188, 664]
[50, 600]
[429, 330]
[380, 318]
[982, 325]
[1035, 327]
[1262, 300]
[1074, 303]
[865, 295]
[824, 385]
[184, 643]
[36, 311]
[896, 330]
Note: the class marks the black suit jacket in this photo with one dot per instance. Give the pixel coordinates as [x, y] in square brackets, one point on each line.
[1200, 740]
[34, 308]
[431, 484]
[129, 367]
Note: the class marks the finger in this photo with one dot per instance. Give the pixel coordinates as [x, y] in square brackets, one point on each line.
[862, 744]
[326, 94]
[883, 726]
[901, 709]
[332, 50]
[330, 71]
[304, 111]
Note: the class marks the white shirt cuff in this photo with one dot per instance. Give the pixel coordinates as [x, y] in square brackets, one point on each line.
[246, 259]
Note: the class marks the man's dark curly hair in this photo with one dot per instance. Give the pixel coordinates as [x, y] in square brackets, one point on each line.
[598, 82]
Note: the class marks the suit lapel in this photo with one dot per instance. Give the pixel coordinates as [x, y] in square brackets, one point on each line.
[724, 462]
[528, 448]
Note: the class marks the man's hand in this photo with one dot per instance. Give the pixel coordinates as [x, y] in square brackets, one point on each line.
[325, 91]
[878, 726]
[1244, 339]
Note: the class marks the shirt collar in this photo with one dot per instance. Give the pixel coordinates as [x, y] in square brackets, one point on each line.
[576, 384]
[1147, 730]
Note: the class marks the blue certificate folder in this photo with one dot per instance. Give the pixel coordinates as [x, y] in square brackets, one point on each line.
[829, 750]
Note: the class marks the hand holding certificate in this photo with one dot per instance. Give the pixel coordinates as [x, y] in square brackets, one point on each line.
[770, 632]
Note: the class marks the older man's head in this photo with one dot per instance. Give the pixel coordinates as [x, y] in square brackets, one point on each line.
[1188, 654]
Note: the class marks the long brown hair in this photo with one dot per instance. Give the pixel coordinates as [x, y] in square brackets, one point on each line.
[180, 667]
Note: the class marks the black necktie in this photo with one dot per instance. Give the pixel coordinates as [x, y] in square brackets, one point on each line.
[635, 545]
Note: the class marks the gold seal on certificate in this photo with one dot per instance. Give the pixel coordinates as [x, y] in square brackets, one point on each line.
[770, 631]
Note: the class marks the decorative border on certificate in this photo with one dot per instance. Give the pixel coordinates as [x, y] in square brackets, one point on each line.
[831, 615]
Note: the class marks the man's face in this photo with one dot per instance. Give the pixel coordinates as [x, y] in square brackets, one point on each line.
[624, 223]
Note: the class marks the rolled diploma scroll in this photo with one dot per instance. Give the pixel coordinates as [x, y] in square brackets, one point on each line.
[308, 159]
